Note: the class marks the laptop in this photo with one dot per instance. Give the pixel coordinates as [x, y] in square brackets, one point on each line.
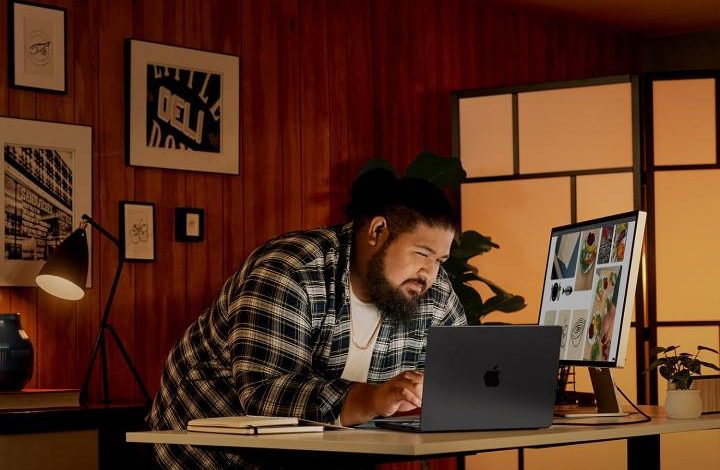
[486, 378]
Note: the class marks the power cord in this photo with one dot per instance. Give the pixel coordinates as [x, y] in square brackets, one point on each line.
[610, 420]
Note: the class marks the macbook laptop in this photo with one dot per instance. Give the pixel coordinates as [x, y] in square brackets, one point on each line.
[486, 377]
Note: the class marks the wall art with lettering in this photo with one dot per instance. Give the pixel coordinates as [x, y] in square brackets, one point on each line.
[46, 186]
[183, 108]
[37, 47]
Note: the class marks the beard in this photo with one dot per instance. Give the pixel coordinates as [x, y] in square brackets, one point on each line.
[390, 300]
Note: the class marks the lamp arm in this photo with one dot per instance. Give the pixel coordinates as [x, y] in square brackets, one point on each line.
[118, 270]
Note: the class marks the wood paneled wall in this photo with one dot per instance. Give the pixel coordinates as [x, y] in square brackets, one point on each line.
[325, 85]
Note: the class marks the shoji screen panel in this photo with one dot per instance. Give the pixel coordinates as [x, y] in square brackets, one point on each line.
[685, 189]
[518, 215]
[684, 121]
[687, 237]
[579, 128]
[486, 135]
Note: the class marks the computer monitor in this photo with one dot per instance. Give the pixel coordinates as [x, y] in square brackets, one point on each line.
[589, 289]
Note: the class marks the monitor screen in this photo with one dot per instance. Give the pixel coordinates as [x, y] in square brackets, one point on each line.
[589, 289]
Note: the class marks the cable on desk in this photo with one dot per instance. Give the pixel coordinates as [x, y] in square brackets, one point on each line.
[646, 418]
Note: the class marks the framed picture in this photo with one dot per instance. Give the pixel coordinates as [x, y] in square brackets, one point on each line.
[46, 186]
[37, 46]
[189, 224]
[183, 108]
[137, 230]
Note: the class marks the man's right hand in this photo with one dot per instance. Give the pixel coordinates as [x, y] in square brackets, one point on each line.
[366, 401]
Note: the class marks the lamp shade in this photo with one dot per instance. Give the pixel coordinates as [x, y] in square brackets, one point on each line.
[65, 273]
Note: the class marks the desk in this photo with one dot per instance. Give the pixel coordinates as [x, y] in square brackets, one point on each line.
[88, 437]
[376, 446]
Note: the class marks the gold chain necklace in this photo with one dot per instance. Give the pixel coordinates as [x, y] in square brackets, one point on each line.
[354, 340]
[363, 347]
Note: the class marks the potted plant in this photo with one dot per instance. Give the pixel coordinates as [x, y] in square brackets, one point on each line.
[447, 172]
[683, 399]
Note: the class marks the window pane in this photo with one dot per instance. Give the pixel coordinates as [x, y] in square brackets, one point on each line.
[686, 237]
[486, 135]
[593, 456]
[575, 128]
[684, 121]
[518, 216]
[690, 450]
[601, 195]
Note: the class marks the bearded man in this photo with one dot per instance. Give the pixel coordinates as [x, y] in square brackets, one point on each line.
[328, 324]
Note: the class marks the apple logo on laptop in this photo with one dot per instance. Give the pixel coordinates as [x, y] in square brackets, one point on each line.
[492, 377]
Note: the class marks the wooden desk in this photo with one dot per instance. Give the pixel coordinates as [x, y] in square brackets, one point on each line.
[89, 437]
[369, 446]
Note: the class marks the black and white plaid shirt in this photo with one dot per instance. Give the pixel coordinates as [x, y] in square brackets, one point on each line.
[276, 340]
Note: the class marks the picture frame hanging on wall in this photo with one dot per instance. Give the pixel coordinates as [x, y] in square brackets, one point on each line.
[46, 186]
[183, 108]
[189, 224]
[37, 53]
[137, 230]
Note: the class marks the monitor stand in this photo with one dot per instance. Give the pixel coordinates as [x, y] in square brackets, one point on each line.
[608, 403]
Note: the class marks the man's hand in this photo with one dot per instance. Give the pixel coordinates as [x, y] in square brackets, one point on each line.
[366, 401]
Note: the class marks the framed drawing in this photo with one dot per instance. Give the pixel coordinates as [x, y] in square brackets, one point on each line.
[137, 230]
[46, 186]
[37, 46]
[183, 108]
[189, 224]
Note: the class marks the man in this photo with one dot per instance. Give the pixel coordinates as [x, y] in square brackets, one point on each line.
[328, 325]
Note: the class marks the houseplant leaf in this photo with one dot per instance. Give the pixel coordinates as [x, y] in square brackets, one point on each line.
[444, 172]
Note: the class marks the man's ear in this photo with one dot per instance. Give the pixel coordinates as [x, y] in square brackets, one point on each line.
[377, 230]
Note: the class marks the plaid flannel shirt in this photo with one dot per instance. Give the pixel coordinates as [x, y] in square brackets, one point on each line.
[276, 340]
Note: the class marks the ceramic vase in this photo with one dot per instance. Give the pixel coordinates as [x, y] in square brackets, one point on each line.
[16, 353]
[683, 404]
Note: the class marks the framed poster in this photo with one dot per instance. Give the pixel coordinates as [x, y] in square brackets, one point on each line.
[137, 230]
[37, 47]
[46, 186]
[183, 108]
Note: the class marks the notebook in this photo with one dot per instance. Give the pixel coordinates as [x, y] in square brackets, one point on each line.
[486, 378]
[252, 425]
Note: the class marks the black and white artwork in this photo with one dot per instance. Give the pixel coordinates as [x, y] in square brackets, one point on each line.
[46, 187]
[37, 47]
[183, 108]
[137, 230]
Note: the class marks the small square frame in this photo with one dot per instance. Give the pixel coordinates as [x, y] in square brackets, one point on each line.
[189, 224]
[137, 230]
[37, 46]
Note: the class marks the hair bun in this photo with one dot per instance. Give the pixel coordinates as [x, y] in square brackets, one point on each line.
[371, 192]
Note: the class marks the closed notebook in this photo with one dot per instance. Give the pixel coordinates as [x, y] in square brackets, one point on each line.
[252, 425]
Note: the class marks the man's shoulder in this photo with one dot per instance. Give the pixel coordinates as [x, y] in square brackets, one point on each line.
[304, 246]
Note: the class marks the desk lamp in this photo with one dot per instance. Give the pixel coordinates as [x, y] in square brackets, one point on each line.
[64, 275]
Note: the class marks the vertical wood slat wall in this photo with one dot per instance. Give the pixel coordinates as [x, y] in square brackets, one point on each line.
[325, 85]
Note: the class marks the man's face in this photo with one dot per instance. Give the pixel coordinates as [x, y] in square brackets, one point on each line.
[405, 267]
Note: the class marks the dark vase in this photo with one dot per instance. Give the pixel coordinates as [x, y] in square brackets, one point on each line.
[16, 353]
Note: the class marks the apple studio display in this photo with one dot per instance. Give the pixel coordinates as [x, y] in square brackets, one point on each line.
[589, 287]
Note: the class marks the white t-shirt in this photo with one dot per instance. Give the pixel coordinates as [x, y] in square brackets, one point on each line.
[365, 324]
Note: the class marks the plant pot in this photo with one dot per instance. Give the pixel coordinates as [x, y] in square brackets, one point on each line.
[683, 404]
